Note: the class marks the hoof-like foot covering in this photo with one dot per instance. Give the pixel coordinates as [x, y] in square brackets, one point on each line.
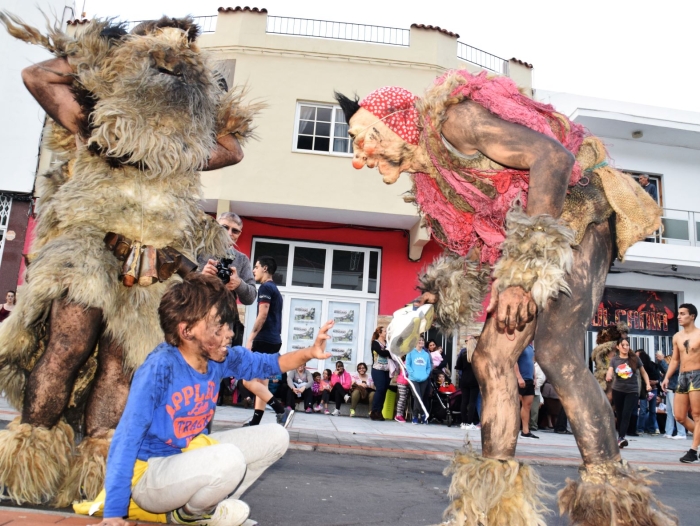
[87, 475]
[491, 492]
[34, 461]
[613, 494]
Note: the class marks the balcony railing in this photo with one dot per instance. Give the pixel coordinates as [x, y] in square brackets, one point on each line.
[282, 25]
[681, 227]
[482, 58]
[207, 24]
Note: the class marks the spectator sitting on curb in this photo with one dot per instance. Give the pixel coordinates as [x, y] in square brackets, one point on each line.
[362, 389]
[341, 383]
[299, 383]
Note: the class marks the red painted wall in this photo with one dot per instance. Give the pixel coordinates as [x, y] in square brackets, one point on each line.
[399, 275]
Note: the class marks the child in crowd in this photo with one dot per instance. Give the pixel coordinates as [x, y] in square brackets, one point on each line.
[419, 364]
[402, 385]
[317, 391]
[444, 386]
[324, 389]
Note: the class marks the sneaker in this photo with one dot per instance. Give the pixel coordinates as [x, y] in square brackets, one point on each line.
[352, 412]
[529, 435]
[326, 412]
[346, 398]
[285, 419]
[399, 418]
[677, 437]
[309, 410]
[690, 457]
[316, 408]
[424, 420]
[336, 412]
[415, 420]
[229, 512]
[622, 442]
[668, 436]
[655, 433]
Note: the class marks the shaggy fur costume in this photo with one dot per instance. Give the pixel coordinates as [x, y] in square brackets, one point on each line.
[537, 255]
[34, 460]
[460, 286]
[613, 494]
[153, 109]
[491, 492]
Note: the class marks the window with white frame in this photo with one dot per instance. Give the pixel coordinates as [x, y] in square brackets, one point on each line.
[319, 282]
[321, 128]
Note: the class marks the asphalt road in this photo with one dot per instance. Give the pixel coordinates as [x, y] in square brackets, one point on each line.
[324, 489]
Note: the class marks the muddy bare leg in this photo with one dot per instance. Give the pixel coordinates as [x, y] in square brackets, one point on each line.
[110, 390]
[73, 332]
[559, 349]
[493, 362]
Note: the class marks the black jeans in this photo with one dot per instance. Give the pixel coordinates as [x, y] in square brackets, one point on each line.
[337, 394]
[307, 396]
[467, 410]
[381, 383]
[625, 404]
[421, 389]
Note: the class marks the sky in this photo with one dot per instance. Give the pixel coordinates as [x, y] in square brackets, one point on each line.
[641, 51]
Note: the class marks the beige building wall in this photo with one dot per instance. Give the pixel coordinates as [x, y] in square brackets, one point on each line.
[281, 70]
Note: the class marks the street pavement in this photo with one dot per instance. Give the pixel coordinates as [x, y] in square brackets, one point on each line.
[344, 443]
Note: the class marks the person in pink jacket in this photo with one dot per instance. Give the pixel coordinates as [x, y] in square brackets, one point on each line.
[341, 382]
[402, 385]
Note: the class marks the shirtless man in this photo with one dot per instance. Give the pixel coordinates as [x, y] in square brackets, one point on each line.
[686, 350]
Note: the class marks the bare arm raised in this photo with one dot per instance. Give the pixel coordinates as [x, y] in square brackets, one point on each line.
[49, 82]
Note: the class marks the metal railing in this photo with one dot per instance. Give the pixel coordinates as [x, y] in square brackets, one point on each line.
[681, 227]
[281, 25]
[482, 58]
[207, 24]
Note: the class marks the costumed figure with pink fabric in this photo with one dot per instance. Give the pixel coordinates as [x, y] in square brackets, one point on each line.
[526, 205]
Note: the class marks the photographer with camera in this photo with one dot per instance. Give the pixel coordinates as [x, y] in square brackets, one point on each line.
[234, 270]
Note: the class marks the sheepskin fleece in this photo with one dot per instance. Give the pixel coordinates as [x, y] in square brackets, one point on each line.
[135, 172]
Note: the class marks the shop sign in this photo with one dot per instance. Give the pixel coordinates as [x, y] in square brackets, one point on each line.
[647, 312]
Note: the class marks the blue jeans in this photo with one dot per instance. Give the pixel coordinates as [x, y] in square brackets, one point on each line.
[670, 420]
[647, 415]
[381, 383]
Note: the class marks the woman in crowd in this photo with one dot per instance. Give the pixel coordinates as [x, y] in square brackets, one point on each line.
[469, 387]
[623, 371]
[380, 372]
[362, 389]
[402, 387]
[9, 304]
[341, 383]
[299, 384]
[418, 366]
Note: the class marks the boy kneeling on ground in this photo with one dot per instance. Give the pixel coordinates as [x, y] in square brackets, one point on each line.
[171, 401]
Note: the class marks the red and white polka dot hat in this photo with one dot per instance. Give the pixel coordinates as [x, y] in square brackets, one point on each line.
[396, 107]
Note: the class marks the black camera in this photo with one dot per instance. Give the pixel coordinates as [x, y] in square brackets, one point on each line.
[223, 269]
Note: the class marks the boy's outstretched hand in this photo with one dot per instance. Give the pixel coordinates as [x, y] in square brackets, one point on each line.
[318, 349]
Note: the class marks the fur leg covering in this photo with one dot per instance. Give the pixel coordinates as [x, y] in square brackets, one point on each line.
[460, 286]
[537, 255]
[613, 494]
[34, 461]
[491, 492]
[87, 475]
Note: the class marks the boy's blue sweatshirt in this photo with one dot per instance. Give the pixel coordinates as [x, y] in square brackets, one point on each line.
[418, 364]
[169, 404]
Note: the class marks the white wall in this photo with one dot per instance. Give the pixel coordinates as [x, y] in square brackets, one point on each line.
[679, 168]
[22, 118]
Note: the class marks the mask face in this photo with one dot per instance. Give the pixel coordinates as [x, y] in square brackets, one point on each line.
[375, 145]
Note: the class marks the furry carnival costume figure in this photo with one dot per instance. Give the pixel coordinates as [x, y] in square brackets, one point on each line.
[135, 116]
[517, 194]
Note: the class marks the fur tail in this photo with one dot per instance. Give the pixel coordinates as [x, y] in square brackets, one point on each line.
[235, 117]
[22, 31]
